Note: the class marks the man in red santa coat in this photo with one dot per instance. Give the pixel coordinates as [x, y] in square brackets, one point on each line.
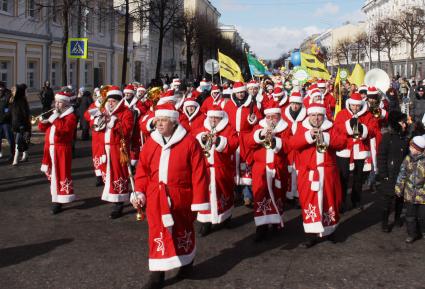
[280, 97]
[293, 114]
[268, 141]
[243, 115]
[172, 180]
[193, 112]
[317, 141]
[97, 140]
[328, 99]
[119, 121]
[357, 123]
[56, 164]
[219, 142]
[214, 99]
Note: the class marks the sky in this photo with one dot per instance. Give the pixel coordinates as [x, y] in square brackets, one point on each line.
[272, 27]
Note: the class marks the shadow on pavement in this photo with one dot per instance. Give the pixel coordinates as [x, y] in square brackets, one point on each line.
[87, 204]
[15, 255]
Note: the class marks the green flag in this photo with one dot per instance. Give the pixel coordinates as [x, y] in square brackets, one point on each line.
[255, 66]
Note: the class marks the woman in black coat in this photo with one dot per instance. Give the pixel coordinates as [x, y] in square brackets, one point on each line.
[84, 103]
[21, 124]
[391, 152]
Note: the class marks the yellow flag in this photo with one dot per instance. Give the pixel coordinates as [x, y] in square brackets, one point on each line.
[314, 67]
[337, 93]
[229, 68]
[357, 76]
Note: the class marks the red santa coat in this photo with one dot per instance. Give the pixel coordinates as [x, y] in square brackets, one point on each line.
[138, 110]
[293, 154]
[356, 149]
[270, 174]
[379, 123]
[116, 174]
[209, 102]
[262, 98]
[239, 120]
[57, 158]
[173, 177]
[328, 101]
[97, 140]
[145, 123]
[318, 178]
[196, 120]
[219, 162]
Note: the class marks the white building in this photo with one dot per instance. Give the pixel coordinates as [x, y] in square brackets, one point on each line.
[231, 33]
[377, 10]
[31, 46]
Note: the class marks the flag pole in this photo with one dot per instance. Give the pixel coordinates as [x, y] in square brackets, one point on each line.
[219, 73]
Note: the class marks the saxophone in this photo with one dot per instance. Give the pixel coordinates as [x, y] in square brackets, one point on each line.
[268, 138]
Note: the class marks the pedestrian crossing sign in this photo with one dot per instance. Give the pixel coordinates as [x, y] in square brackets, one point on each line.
[77, 48]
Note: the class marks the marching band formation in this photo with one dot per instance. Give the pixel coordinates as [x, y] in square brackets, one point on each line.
[180, 157]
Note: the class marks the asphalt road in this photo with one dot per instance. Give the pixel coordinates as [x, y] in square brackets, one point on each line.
[83, 248]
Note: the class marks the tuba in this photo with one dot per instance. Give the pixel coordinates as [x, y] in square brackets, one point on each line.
[378, 78]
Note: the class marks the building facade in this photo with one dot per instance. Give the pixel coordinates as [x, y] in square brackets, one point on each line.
[31, 38]
[376, 11]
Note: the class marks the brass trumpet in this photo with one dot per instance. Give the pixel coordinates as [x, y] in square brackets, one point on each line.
[209, 142]
[356, 131]
[35, 118]
[321, 146]
[268, 138]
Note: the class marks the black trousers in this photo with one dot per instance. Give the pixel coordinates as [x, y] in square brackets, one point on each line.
[344, 174]
[415, 219]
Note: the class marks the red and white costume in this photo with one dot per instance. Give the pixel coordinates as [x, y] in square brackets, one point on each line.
[318, 179]
[196, 119]
[293, 159]
[239, 119]
[269, 170]
[281, 97]
[357, 149]
[263, 97]
[56, 164]
[173, 176]
[211, 101]
[221, 195]
[117, 129]
[326, 100]
[97, 139]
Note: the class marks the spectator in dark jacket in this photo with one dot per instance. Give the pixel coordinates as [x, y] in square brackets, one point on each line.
[393, 100]
[84, 102]
[418, 104]
[21, 124]
[6, 120]
[391, 152]
[46, 97]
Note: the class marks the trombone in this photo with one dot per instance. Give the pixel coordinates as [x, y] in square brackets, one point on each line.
[35, 118]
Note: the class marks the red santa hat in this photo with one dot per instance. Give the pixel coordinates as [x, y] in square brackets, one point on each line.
[166, 110]
[195, 93]
[278, 92]
[418, 142]
[315, 92]
[313, 86]
[190, 102]
[239, 87]
[167, 97]
[141, 89]
[114, 92]
[279, 84]
[321, 83]
[372, 90]
[215, 88]
[64, 97]
[296, 97]
[176, 81]
[316, 108]
[215, 111]
[362, 88]
[129, 89]
[252, 83]
[355, 98]
[272, 107]
[203, 82]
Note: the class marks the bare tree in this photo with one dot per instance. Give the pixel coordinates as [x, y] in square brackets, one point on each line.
[411, 28]
[342, 50]
[163, 15]
[361, 43]
[376, 41]
[389, 39]
[189, 22]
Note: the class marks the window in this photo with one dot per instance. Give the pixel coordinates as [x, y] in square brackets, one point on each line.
[102, 66]
[54, 12]
[88, 71]
[71, 73]
[137, 70]
[32, 9]
[6, 6]
[55, 74]
[102, 20]
[6, 72]
[32, 74]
